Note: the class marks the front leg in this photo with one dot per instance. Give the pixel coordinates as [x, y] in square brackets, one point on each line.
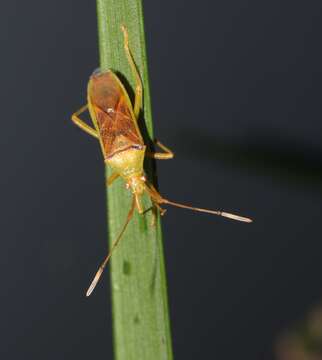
[111, 179]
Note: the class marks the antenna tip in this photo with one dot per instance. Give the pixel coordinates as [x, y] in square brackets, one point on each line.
[236, 217]
[89, 291]
[94, 282]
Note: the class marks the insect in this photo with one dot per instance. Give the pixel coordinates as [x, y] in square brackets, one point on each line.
[116, 127]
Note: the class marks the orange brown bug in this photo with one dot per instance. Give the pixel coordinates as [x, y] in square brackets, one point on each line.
[115, 126]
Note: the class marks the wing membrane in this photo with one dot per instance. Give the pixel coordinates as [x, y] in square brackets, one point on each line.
[112, 114]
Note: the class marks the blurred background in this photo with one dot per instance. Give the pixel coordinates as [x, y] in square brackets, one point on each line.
[236, 90]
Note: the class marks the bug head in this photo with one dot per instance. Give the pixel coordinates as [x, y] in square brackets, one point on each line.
[137, 186]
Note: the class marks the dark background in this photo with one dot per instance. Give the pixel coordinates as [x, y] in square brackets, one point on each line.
[236, 88]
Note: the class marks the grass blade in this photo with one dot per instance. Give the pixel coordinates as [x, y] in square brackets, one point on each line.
[139, 294]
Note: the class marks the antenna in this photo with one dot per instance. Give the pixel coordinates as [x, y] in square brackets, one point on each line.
[101, 268]
[156, 197]
[213, 212]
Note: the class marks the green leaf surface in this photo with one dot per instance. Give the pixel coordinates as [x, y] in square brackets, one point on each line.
[139, 293]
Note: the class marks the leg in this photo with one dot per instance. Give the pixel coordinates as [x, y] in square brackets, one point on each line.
[155, 196]
[162, 211]
[138, 82]
[168, 154]
[79, 122]
[111, 179]
[155, 208]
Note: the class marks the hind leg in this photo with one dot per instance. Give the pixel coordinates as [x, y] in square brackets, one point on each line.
[138, 82]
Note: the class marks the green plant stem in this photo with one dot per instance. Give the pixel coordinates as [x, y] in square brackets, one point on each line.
[139, 293]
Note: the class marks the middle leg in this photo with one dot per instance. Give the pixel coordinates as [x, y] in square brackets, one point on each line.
[79, 122]
[166, 155]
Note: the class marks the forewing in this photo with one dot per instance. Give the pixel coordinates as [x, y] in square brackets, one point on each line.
[113, 114]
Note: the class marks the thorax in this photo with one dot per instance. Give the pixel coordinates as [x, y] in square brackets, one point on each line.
[128, 162]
